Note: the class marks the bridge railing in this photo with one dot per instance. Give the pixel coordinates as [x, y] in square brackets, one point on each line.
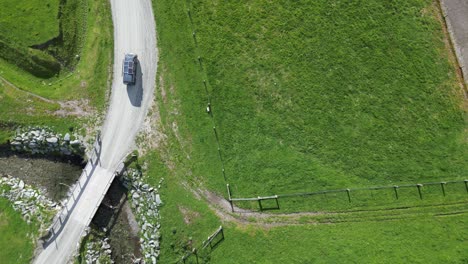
[75, 192]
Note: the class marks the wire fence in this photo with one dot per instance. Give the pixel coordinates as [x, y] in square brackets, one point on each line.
[211, 243]
[329, 199]
[209, 108]
[356, 197]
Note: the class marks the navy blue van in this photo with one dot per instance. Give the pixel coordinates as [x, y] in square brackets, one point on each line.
[129, 68]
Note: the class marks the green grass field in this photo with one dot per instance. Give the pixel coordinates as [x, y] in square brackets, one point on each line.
[19, 108]
[23, 21]
[88, 81]
[314, 95]
[419, 234]
[309, 96]
[16, 242]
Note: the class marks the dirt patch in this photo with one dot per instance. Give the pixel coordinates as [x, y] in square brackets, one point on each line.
[75, 108]
[188, 214]
[150, 136]
[242, 217]
[163, 90]
[54, 175]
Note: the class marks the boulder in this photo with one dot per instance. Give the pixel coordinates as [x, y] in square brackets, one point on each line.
[66, 137]
[21, 185]
[158, 200]
[75, 142]
[16, 143]
[52, 140]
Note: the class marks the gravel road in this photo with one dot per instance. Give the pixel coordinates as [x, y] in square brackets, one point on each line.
[456, 15]
[134, 31]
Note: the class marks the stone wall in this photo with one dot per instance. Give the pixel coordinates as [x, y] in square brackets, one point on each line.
[42, 140]
[26, 200]
[145, 201]
[98, 251]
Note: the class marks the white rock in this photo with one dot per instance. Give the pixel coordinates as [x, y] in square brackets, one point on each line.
[16, 143]
[21, 185]
[52, 140]
[158, 200]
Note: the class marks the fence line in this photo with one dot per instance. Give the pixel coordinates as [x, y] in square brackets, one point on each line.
[259, 199]
[212, 237]
[209, 242]
[348, 191]
[209, 108]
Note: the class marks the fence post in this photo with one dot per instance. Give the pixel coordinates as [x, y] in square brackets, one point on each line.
[194, 251]
[442, 185]
[195, 40]
[206, 89]
[419, 190]
[189, 15]
[199, 58]
[395, 189]
[349, 196]
[260, 203]
[216, 133]
[229, 195]
[466, 185]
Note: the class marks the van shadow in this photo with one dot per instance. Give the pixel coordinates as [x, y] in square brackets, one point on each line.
[135, 91]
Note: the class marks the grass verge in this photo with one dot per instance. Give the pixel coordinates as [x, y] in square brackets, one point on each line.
[89, 81]
[90, 77]
[16, 240]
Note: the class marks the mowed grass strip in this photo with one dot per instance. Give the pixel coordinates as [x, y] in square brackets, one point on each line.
[16, 241]
[315, 95]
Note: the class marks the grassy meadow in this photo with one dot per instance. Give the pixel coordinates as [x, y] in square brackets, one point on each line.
[308, 96]
[16, 241]
[313, 95]
[415, 234]
[29, 22]
[89, 80]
